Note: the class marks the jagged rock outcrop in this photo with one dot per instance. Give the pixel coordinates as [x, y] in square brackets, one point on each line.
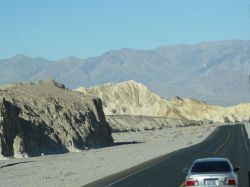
[47, 118]
[132, 98]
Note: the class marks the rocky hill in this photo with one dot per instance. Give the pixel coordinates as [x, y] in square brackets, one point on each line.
[46, 118]
[132, 98]
[216, 72]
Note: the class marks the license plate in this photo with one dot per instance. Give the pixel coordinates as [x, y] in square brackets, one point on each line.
[211, 182]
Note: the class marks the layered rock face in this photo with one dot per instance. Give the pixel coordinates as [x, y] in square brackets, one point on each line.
[132, 98]
[46, 118]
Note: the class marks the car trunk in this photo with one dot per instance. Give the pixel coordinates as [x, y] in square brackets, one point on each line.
[211, 179]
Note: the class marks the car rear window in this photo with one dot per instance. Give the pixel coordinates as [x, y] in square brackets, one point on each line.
[214, 166]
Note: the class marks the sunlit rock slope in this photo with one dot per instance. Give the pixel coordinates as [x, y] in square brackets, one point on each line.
[132, 98]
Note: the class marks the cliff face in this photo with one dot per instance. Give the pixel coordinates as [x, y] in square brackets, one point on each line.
[47, 118]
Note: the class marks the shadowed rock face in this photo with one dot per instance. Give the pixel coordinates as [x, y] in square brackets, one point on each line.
[11, 141]
[47, 118]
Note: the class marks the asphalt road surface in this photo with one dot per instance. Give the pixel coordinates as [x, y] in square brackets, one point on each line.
[230, 141]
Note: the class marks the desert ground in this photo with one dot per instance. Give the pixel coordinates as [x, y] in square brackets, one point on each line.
[78, 169]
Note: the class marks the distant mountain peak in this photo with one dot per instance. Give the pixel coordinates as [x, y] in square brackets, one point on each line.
[20, 57]
[71, 58]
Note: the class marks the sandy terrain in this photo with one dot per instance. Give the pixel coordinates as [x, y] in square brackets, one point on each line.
[77, 169]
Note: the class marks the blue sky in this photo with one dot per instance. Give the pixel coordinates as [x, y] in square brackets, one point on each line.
[55, 29]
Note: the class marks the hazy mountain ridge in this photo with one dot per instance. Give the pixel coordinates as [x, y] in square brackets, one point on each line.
[208, 71]
[132, 98]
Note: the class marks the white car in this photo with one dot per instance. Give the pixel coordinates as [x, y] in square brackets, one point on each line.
[212, 172]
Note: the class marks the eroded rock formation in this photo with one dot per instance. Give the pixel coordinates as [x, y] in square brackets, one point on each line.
[46, 118]
[132, 98]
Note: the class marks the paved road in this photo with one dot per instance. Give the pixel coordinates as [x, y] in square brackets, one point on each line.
[226, 141]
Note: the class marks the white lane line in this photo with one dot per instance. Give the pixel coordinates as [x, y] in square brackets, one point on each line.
[244, 138]
[150, 166]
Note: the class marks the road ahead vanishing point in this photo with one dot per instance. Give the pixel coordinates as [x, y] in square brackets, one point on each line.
[230, 141]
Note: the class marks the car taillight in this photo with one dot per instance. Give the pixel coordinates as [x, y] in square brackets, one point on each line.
[230, 181]
[191, 182]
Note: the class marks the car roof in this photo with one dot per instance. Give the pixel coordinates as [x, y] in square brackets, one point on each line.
[212, 159]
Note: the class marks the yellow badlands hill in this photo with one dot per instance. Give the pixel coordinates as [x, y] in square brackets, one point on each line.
[132, 98]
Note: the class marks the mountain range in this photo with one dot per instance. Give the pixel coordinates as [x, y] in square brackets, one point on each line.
[215, 72]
